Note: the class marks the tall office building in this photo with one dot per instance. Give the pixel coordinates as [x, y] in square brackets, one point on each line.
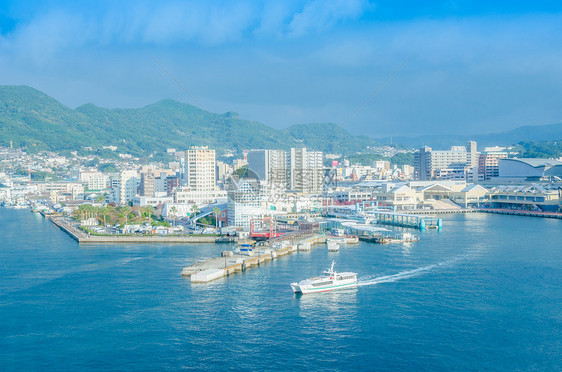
[422, 164]
[270, 166]
[306, 170]
[472, 154]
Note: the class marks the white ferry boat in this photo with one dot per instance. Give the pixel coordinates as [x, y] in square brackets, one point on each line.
[329, 282]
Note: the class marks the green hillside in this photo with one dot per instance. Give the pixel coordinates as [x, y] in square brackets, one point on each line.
[329, 137]
[34, 120]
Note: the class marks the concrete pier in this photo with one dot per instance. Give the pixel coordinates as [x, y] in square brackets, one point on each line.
[230, 263]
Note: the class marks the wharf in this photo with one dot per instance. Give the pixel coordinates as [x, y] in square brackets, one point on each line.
[231, 263]
[516, 212]
[82, 237]
[440, 211]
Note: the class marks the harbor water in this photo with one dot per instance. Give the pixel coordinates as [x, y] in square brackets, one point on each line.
[483, 293]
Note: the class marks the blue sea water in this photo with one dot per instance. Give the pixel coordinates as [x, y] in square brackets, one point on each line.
[485, 293]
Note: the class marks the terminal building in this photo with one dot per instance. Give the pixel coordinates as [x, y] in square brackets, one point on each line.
[532, 169]
[534, 197]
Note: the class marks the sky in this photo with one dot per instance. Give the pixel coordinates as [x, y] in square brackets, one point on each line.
[436, 67]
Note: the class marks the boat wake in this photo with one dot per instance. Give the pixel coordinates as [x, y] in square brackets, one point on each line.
[369, 280]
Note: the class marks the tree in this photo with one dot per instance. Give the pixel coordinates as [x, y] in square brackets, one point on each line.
[195, 210]
[147, 212]
[174, 210]
[126, 211]
[216, 212]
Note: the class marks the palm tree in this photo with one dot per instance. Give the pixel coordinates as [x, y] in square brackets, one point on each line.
[195, 210]
[126, 210]
[173, 210]
[147, 212]
[216, 212]
[101, 198]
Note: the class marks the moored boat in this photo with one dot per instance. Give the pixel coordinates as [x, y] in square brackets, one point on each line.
[333, 246]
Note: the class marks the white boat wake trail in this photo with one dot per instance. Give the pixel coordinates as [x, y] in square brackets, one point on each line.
[369, 280]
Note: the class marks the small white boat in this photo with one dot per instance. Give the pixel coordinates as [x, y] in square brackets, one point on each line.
[348, 239]
[332, 280]
[333, 246]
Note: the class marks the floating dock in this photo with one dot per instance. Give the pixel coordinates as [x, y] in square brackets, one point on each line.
[406, 220]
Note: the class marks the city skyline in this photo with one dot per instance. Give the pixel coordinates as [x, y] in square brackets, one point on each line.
[473, 68]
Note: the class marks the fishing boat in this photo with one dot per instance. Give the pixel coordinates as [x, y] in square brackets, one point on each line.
[331, 280]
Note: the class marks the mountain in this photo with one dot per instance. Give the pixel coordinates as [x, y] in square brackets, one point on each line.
[329, 137]
[526, 133]
[32, 119]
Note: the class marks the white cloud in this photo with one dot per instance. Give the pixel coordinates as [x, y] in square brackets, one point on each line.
[320, 15]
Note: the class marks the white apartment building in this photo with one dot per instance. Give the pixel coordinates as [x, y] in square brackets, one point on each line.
[448, 165]
[94, 180]
[124, 187]
[200, 169]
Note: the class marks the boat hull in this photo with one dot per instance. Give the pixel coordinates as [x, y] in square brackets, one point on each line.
[304, 289]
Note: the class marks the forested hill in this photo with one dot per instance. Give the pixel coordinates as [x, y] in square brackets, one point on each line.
[32, 119]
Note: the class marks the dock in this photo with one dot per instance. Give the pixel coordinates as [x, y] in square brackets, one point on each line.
[230, 263]
[415, 221]
[516, 212]
[83, 237]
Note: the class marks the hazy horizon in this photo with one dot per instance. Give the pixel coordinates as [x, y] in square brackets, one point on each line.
[473, 69]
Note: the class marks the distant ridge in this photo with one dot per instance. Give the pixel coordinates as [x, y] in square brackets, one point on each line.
[32, 119]
[548, 132]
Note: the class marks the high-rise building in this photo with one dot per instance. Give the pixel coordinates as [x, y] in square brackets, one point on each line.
[124, 186]
[488, 164]
[245, 197]
[270, 166]
[472, 154]
[200, 168]
[306, 170]
[422, 164]
[147, 184]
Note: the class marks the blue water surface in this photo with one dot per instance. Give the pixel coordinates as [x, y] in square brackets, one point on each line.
[485, 293]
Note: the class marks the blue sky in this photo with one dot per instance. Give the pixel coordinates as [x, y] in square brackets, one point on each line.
[475, 66]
